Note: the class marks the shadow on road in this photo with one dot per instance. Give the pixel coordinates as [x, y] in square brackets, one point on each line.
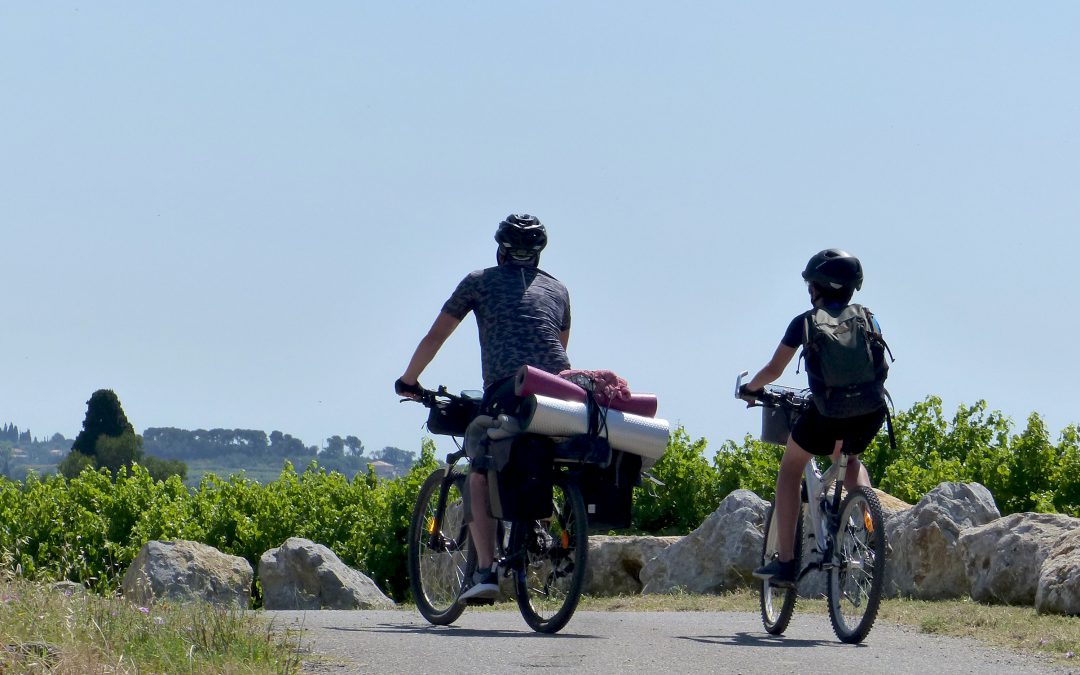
[457, 632]
[759, 640]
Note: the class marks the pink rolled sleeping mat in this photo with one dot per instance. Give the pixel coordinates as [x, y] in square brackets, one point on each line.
[533, 381]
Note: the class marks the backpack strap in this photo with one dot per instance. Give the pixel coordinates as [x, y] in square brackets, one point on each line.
[805, 341]
[876, 335]
[888, 419]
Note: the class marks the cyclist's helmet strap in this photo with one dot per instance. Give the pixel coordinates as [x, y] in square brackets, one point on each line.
[835, 269]
[521, 237]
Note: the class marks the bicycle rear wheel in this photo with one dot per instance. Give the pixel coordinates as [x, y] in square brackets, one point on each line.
[858, 572]
[441, 554]
[778, 604]
[549, 577]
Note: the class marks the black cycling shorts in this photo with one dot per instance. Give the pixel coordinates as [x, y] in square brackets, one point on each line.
[818, 434]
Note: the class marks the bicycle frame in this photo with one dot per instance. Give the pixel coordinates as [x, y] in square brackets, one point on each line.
[821, 513]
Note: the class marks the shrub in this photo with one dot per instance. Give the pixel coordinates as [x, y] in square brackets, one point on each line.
[689, 492]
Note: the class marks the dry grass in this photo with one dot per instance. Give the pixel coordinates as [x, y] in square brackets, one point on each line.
[47, 630]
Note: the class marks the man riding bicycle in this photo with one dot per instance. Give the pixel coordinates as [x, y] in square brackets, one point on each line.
[845, 417]
[523, 318]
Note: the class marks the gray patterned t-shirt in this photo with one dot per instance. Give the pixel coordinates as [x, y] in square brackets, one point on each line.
[520, 312]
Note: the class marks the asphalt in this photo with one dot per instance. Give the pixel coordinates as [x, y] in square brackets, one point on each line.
[631, 642]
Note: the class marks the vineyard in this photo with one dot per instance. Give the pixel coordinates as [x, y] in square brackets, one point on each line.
[89, 528]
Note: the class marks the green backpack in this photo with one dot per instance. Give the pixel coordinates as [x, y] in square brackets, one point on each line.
[844, 349]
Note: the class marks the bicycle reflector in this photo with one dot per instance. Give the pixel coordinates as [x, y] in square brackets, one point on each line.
[868, 521]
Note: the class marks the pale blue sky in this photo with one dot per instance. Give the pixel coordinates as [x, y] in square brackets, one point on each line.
[247, 214]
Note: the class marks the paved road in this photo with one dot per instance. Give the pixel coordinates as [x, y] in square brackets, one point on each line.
[630, 642]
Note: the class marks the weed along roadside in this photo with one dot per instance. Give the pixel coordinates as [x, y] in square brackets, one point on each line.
[63, 628]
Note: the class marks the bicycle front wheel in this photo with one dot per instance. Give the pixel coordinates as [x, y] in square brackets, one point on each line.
[549, 577]
[858, 571]
[778, 604]
[441, 554]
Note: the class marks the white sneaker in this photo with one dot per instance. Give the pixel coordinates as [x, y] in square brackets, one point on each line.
[484, 586]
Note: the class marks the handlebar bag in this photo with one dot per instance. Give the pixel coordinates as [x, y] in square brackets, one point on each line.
[451, 418]
[522, 488]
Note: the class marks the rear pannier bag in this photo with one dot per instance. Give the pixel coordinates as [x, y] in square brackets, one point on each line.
[609, 491]
[522, 489]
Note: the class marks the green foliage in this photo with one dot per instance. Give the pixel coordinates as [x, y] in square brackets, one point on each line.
[74, 464]
[750, 466]
[690, 490]
[90, 527]
[104, 416]
[1024, 472]
[88, 524]
[108, 441]
[114, 452]
[162, 469]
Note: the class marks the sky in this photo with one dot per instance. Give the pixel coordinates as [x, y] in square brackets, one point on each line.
[246, 215]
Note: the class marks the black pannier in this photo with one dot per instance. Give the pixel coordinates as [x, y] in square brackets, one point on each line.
[522, 488]
[609, 490]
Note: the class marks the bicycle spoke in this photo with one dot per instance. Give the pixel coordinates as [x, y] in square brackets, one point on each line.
[552, 573]
[855, 580]
[439, 560]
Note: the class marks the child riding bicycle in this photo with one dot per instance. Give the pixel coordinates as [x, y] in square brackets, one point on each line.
[523, 317]
[846, 369]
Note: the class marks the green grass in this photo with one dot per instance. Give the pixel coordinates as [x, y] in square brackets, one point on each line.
[45, 629]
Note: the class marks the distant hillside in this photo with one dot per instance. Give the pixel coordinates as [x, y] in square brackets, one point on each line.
[21, 453]
[261, 456]
[223, 452]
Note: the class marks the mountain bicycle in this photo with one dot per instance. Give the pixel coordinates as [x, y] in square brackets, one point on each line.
[545, 558]
[846, 538]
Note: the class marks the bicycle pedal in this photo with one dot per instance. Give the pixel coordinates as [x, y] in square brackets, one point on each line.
[783, 584]
[479, 602]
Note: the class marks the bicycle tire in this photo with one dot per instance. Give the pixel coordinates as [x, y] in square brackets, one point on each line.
[858, 572]
[778, 604]
[549, 576]
[439, 563]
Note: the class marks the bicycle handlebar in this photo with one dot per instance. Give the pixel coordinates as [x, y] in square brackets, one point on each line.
[429, 398]
[773, 396]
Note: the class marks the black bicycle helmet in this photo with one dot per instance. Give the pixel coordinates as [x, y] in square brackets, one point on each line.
[521, 236]
[835, 269]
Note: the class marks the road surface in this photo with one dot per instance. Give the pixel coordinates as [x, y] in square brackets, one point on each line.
[631, 642]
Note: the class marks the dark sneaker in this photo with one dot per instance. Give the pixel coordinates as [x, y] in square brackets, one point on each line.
[779, 574]
[484, 586]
